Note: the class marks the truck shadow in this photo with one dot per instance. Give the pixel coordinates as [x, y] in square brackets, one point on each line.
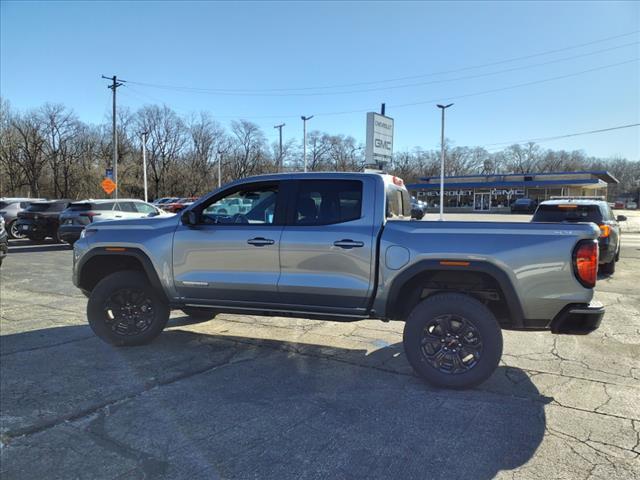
[238, 407]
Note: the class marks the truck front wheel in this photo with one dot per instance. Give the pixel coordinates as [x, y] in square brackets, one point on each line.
[124, 309]
[452, 341]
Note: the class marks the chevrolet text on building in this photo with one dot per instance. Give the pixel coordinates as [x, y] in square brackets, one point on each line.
[379, 148]
[494, 192]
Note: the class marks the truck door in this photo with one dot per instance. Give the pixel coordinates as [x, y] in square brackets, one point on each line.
[327, 247]
[231, 257]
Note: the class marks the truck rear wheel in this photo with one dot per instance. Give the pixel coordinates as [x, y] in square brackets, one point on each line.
[124, 309]
[452, 340]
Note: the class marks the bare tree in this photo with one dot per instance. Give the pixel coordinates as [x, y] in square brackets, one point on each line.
[167, 140]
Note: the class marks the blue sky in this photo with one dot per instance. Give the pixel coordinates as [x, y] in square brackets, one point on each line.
[57, 51]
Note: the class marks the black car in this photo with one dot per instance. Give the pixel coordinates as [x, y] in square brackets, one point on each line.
[4, 241]
[524, 205]
[41, 219]
[583, 210]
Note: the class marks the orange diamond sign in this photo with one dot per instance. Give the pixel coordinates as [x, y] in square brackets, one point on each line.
[108, 186]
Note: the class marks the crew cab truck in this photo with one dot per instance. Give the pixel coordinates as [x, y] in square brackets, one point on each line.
[341, 246]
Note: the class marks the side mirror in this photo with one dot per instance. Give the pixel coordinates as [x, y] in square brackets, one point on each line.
[190, 218]
[153, 214]
[621, 218]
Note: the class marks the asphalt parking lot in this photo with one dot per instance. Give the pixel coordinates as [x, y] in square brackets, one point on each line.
[253, 397]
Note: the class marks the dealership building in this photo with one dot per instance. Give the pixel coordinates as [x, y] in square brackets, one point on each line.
[495, 193]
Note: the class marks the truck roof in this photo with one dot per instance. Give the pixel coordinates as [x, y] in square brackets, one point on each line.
[576, 201]
[386, 178]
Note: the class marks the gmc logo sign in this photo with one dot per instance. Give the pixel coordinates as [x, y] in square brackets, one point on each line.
[384, 144]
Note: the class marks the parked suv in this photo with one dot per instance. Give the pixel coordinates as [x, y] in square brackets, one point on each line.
[80, 214]
[41, 219]
[572, 210]
[524, 205]
[9, 209]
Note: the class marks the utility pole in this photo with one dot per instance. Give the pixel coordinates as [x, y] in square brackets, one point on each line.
[279, 127]
[144, 163]
[114, 85]
[304, 142]
[443, 108]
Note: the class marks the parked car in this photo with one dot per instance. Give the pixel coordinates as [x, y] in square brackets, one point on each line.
[341, 246]
[80, 214]
[9, 209]
[631, 205]
[524, 205]
[41, 219]
[4, 240]
[164, 200]
[180, 204]
[583, 210]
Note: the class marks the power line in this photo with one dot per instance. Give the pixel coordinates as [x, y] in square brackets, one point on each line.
[440, 99]
[559, 137]
[486, 92]
[376, 89]
[411, 77]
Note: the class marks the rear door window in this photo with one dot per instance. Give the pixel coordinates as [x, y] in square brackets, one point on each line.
[144, 208]
[568, 213]
[40, 207]
[326, 202]
[127, 207]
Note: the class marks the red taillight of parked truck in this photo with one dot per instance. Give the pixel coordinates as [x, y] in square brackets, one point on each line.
[585, 262]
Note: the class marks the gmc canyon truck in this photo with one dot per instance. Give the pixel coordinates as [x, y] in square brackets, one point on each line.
[342, 247]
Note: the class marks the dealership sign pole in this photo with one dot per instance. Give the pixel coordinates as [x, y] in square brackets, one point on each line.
[443, 108]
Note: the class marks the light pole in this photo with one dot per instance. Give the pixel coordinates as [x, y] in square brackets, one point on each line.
[144, 163]
[219, 168]
[443, 108]
[279, 127]
[304, 141]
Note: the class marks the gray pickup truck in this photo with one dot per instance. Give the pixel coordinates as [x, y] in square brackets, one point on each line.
[341, 247]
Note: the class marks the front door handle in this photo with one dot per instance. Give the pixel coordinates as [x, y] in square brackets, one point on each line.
[260, 242]
[347, 243]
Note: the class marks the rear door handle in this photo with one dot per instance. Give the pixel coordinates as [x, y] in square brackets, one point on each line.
[260, 242]
[347, 243]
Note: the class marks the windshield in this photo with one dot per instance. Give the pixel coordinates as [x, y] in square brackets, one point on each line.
[568, 213]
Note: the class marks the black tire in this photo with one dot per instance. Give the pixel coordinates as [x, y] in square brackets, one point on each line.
[608, 268]
[12, 231]
[143, 312]
[199, 314]
[425, 341]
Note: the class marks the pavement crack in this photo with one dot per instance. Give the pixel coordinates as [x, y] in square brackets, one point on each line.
[50, 345]
[10, 435]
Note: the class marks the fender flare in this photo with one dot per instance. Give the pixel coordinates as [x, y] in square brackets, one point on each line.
[136, 253]
[516, 313]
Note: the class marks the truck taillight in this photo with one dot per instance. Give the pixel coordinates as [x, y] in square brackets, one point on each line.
[585, 262]
[398, 181]
[605, 231]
